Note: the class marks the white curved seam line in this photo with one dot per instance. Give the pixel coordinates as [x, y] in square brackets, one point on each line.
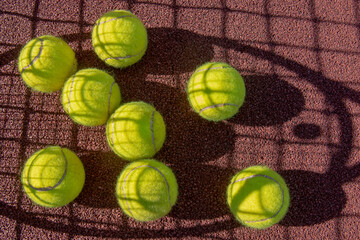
[36, 57]
[218, 105]
[112, 132]
[129, 56]
[73, 66]
[111, 141]
[43, 189]
[167, 184]
[112, 19]
[152, 130]
[206, 69]
[108, 113]
[71, 88]
[282, 191]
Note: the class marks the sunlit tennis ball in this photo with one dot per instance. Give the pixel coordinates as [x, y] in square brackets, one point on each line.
[258, 197]
[46, 62]
[90, 96]
[119, 38]
[53, 177]
[146, 190]
[136, 131]
[216, 91]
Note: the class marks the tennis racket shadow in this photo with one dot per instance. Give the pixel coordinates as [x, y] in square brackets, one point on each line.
[315, 197]
[269, 101]
[319, 197]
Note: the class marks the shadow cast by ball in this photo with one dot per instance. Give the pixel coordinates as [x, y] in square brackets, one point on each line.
[102, 171]
[85, 58]
[174, 51]
[189, 138]
[170, 51]
[315, 198]
[203, 191]
[269, 101]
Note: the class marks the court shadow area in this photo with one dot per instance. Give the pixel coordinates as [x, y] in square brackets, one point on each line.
[203, 191]
[315, 198]
[269, 101]
[102, 171]
[189, 138]
[174, 51]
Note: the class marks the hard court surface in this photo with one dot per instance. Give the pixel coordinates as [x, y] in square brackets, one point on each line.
[301, 117]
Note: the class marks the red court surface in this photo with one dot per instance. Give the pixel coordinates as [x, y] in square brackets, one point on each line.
[301, 117]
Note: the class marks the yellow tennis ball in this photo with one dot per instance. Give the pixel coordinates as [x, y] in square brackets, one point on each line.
[90, 96]
[258, 197]
[216, 91]
[53, 177]
[135, 131]
[46, 62]
[119, 38]
[146, 190]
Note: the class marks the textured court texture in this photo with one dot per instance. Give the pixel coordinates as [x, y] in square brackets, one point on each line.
[301, 116]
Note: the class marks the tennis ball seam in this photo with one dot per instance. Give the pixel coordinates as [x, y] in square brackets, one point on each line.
[218, 105]
[42, 189]
[167, 184]
[212, 68]
[112, 136]
[39, 63]
[152, 130]
[226, 104]
[72, 67]
[43, 175]
[123, 16]
[71, 85]
[282, 191]
[128, 56]
[112, 84]
[36, 57]
[71, 88]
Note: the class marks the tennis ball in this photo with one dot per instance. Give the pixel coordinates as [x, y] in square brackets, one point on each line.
[146, 190]
[135, 131]
[53, 177]
[90, 96]
[119, 38]
[46, 62]
[216, 91]
[258, 197]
